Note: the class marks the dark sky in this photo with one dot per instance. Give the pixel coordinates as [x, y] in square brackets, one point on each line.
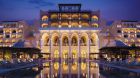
[29, 9]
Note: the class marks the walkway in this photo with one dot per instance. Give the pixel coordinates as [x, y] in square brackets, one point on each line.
[117, 66]
[18, 66]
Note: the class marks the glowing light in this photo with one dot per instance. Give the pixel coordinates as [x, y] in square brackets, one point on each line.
[44, 18]
[95, 18]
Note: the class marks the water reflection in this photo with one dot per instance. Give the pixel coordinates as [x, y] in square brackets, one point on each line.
[57, 69]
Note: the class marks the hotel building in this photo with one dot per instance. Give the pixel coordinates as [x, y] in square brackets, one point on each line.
[70, 32]
[69, 37]
[11, 32]
[126, 31]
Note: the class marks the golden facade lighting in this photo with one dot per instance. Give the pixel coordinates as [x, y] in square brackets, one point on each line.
[44, 18]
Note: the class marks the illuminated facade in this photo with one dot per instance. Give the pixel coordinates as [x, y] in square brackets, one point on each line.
[127, 32]
[70, 32]
[11, 32]
[69, 36]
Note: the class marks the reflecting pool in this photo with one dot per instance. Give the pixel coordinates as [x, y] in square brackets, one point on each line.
[58, 69]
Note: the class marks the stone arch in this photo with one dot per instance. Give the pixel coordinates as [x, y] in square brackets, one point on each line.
[65, 40]
[45, 39]
[55, 39]
[74, 39]
[94, 39]
[84, 39]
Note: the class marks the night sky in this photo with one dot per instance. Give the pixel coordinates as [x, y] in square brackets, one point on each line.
[29, 9]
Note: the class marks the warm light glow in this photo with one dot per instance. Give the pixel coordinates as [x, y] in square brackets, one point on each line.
[74, 66]
[54, 24]
[95, 18]
[95, 25]
[74, 24]
[75, 16]
[65, 66]
[83, 54]
[85, 16]
[83, 66]
[65, 16]
[56, 54]
[44, 18]
[56, 65]
[74, 54]
[44, 25]
[13, 40]
[64, 24]
[65, 54]
[85, 24]
[53, 16]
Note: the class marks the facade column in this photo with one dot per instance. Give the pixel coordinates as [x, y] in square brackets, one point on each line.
[69, 64]
[88, 55]
[60, 53]
[51, 54]
[79, 54]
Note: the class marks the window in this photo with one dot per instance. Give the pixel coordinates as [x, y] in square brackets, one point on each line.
[1, 31]
[138, 36]
[14, 31]
[7, 36]
[119, 31]
[125, 36]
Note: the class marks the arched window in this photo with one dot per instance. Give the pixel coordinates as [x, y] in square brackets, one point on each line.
[95, 25]
[92, 41]
[44, 18]
[74, 41]
[65, 41]
[46, 42]
[44, 25]
[95, 18]
[83, 41]
[1, 31]
[14, 31]
[56, 41]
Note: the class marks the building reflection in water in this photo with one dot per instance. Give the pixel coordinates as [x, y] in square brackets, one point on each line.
[70, 69]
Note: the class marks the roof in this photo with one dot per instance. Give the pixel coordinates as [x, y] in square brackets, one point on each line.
[19, 44]
[118, 48]
[15, 49]
[120, 43]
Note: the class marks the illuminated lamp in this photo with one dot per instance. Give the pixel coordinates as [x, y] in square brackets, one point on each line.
[80, 26]
[59, 26]
[44, 25]
[44, 18]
